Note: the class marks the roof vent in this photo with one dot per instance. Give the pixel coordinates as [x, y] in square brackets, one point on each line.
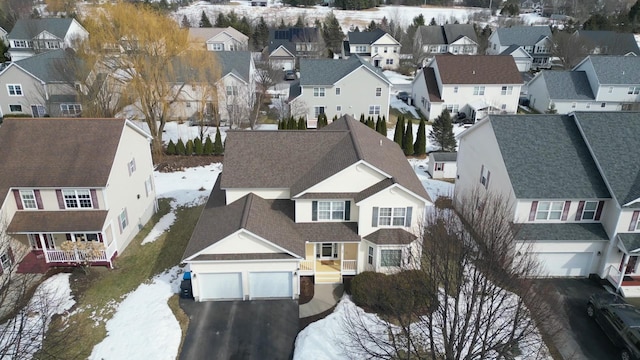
[473, 72]
[380, 142]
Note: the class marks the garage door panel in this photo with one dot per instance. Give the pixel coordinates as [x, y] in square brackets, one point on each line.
[271, 285]
[220, 286]
[565, 264]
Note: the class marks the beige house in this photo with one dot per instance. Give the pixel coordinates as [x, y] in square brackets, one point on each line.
[376, 47]
[339, 87]
[33, 36]
[79, 190]
[219, 39]
[324, 203]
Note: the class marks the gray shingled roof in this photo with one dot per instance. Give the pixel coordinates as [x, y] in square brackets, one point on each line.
[431, 34]
[567, 85]
[391, 237]
[236, 62]
[51, 66]
[630, 241]
[523, 35]
[546, 157]
[616, 70]
[295, 89]
[614, 139]
[365, 37]
[610, 42]
[453, 32]
[29, 28]
[563, 232]
[444, 156]
[329, 71]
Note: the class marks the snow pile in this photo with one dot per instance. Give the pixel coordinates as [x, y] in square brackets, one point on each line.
[404, 108]
[161, 226]
[435, 188]
[143, 326]
[397, 78]
[52, 297]
[188, 187]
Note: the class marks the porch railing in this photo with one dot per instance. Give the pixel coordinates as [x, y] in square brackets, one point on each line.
[349, 266]
[614, 276]
[307, 266]
[63, 256]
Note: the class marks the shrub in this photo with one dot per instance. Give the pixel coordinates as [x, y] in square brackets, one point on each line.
[198, 147]
[189, 147]
[366, 289]
[180, 148]
[208, 146]
[171, 148]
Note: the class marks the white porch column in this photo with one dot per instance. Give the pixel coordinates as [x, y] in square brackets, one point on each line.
[44, 247]
[625, 261]
[341, 257]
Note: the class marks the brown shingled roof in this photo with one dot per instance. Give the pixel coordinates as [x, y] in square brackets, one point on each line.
[329, 231]
[391, 237]
[432, 84]
[57, 221]
[478, 69]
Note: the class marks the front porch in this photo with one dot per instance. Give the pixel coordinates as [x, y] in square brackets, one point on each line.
[328, 262]
[625, 277]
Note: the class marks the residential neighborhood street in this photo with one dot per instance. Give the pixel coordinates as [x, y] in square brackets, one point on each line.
[234, 330]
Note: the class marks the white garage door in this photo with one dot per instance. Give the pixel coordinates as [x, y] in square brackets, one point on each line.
[227, 286]
[270, 285]
[565, 264]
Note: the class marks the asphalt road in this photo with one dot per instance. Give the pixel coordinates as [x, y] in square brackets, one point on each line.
[239, 330]
[580, 337]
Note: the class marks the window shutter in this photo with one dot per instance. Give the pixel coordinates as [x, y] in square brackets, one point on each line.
[486, 184]
[579, 212]
[347, 210]
[10, 253]
[565, 211]
[16, 194]
[60, 199]
[599, 210]
[36, 193]
[94, 198]
[407, 220]
[534, 208]
[634, 220]
[481, 172]
[374, 218]
[314, 211]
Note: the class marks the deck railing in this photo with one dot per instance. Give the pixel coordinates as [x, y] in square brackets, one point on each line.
[349, 266]
[71, 256]
[613, 275]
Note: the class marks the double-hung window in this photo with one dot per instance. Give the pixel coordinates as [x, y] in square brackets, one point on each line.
[70, 109]
[77, 199]
[317, 110]
[634, 90]
[374, 110]
[331, 210]
[478, 90]
[5, 261]
[14, 89]
[378, 91]
[28, 199]
[391, 216]
[506, 90]
[318, 92]
[370, 256]
[549, 210]
[390, 258]
[589, 210]
[123, 220]
[232, 90]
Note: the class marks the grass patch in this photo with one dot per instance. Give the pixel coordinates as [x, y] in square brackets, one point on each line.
[98, 293]
[181, 316]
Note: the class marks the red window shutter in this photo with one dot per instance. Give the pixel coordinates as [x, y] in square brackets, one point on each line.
[60, 199]
[634, 220]
[36, 193]
[579, 212]
[599, 210]
[94, 198]
[532, 212]
[100, 237]
[10, 253]
[16, 194]
[565, 211]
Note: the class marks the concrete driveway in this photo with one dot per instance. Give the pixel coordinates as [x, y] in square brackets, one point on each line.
[580, 337]
[234, 330]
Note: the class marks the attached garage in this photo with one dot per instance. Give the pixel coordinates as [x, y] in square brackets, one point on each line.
[270, 285]
[565, 264]
[220, 286]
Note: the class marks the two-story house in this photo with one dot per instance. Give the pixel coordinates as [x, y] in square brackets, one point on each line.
[447, 39]
[31, 36]
[328, 203]
[475, 85]
[73, 190]
[535, 40]
[602, 42]
[40, 85]
[377, 47]
[597, 83]
[218, 39]
[339, 87]
[574, 198]
[287, 46]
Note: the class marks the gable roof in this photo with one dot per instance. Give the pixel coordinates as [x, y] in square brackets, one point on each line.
[234, 62]
[432, 84]
[205, 34]
[513, 48]
[477, 69]
[365, 37]
[523, 35]
[610, 42]
[615, 69]
[613, 139]
[68, 160]
[300, 159]
[446, 34]
[290, 36]
[567, 85]
[391, 237]
[329, 71]
[546, 157]
[444, 156]
[51, 66]
[29, 28]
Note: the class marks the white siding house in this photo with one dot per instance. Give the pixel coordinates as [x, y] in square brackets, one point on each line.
[32, 36]
[377, 47]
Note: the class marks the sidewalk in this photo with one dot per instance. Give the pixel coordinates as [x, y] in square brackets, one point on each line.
[325, 296]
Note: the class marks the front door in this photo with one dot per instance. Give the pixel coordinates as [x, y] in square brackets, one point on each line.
[376, 63]
[631, 265]
[327, 251]
[36, 244]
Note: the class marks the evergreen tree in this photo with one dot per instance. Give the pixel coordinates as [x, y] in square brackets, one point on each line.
[634, 12]
[378, 124]
[442, 132]
[189, 147]
[433, 22]
[372, 26]
[293, 124]
[185, 24]
[204, 21]
[222, 21]
[332, 34]
[420, 147]
[260, 35]
[408, 139]
[198, 148]
[399, 131]
[383, 126]
[218, 149]
[208, 146]
[384, 24]
[171, 148]
[371, 123]
[335, 117]
[322, 121]
[180, 149]
[243, 26]
[299, 22]
[282, 25]
[302, 123]
[362, 119]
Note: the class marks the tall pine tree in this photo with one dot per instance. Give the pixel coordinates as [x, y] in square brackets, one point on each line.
[408, 139]
[218, 148]
[442, 132]
[332, 34]
[420, 147]
[302, 123]
[260, 35]
[399, 132]
[204, 21]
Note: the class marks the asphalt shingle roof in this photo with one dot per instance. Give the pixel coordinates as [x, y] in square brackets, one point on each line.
[57, 221]
[630, 241]
[329, 71]
[523, 35]
[567, 85]
[51, 66]
[610, 42]
[546, 157]
[236, 62]
[616, 70]
[478, 69]
[29, 28]
[614, 139]
[444, 156]
[563, 232]
[365, 37]
[446, 34]
[391, 237]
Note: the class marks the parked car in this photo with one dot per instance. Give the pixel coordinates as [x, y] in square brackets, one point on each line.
[289, 75]
[619, 321]
[403, 95]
